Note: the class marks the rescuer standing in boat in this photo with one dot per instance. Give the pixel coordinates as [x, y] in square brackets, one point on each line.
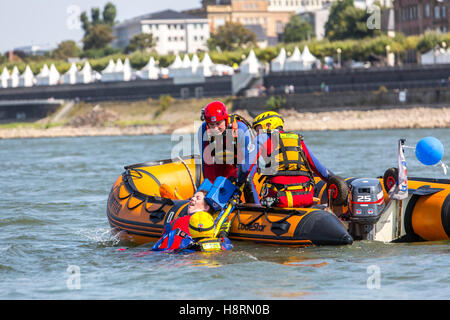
[227, 147]
[286, 163]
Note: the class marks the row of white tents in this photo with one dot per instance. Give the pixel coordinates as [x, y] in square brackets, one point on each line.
[115, 71]
[436, 56]
[180, 68]
[47, 76]
[297, 61]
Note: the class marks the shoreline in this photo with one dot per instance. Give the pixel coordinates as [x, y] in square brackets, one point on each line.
[375, 119]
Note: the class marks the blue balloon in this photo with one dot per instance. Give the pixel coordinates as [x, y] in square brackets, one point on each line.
[429, 151]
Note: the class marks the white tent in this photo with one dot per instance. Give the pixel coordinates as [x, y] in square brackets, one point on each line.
[108, 72]
[427, 57]
[443, 56]
[308, 59]
[205, 67]
[222, 70]
[435, 56]
[119, 66]
[277, 64]
[150, 70]
[4, 78]
[70, 77]
[13, 80]
[53, 76]
[85, 75]
[174, 68]
[186, 68]
[43, 76]
[110, 67]
[27, 78]
[195, 62]
[294, 62]
[251, 64]
[127, 71]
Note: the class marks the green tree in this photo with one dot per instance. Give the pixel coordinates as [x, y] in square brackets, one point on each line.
[95, 16]
[348, 22]
[97, 37]
[143, 41]
[109, 14]
[297, 30]
[66, 49]
[98, 31]
[231, 36]
[85, 23]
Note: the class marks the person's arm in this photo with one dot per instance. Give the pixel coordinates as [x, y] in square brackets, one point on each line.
[247, 152]
[318, 168]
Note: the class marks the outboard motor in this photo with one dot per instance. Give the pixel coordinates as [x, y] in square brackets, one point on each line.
[366, 206]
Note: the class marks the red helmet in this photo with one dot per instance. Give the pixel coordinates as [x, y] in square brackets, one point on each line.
[216, 111]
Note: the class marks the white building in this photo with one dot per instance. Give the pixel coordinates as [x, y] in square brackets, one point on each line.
[174, 32]
[297, 5]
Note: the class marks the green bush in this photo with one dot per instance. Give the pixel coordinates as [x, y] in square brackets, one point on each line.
[275, 103]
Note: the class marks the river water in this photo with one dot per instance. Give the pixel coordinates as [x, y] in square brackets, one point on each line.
[55, 241]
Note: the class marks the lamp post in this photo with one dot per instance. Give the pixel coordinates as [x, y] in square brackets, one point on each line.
[339, 51]
[388, 50]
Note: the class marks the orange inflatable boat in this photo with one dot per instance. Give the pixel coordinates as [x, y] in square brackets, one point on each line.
[146, 196]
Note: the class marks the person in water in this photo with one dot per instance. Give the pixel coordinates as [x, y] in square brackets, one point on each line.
[194, 231]
[226, 147]
[286, 163]
[197, 203]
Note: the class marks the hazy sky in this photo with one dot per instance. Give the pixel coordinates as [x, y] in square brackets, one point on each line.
[48, 22]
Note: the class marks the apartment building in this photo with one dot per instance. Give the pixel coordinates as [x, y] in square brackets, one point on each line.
[413, 17]
[174, 32]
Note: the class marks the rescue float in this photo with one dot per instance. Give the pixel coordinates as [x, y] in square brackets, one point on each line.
[148, 195]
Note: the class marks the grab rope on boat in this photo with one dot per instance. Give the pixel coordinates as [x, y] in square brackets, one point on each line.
[190, 173]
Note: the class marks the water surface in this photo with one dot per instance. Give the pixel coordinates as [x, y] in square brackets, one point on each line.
[52, 218]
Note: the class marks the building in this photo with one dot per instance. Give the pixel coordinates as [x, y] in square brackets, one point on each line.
[413, 17]
[317, 18]
[32, 50]
[174, 32]
[297, 5]
[270, 15]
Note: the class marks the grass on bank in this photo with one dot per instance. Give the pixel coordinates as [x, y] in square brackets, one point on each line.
[150, 112]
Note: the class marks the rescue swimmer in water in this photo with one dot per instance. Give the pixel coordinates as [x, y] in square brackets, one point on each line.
[196, 231]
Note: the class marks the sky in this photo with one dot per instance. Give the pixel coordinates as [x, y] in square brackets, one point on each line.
[47, 22]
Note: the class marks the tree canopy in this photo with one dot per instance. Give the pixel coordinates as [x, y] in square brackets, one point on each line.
[348, 22]
[297, 30]
[66, 49]
[143, 41]
[231, 36]
[98, 30]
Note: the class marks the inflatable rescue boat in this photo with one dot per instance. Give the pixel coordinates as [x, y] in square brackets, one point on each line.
[145, 197]
[148, 195]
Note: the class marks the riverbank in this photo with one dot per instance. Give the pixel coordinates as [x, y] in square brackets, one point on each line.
[168, 116]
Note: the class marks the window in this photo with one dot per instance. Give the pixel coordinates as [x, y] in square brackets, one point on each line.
[427, 10]
[437, 12]
[444, 11]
